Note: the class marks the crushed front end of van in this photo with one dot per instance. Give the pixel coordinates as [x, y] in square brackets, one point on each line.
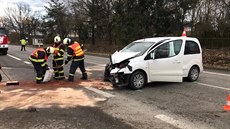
[118, 71]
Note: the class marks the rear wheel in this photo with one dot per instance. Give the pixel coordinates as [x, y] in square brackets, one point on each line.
[193, 74]
[0, 77]
[137, 80]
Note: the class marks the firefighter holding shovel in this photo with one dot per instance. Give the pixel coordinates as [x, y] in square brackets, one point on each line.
[58, 58]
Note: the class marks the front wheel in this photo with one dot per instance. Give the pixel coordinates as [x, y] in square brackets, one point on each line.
[137, 80]
[193, 74]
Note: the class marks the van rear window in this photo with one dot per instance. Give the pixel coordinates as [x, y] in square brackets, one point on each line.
[191, 47]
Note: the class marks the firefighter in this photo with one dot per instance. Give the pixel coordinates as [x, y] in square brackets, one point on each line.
[23, 44]
[76, 53]
[39, 58]
[58, 58]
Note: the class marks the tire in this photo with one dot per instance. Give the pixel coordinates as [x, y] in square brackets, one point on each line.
[0, 77]
[193, 74]
[137, 80]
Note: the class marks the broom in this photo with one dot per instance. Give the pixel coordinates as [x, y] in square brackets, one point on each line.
[10, 82]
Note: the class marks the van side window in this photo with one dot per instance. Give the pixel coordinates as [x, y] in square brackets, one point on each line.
[168, 49]
[191, 47]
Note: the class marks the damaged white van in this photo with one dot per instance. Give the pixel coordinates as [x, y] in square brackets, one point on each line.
[162, 59]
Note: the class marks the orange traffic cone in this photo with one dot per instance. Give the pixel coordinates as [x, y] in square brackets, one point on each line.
[227, 106]
[184, 33]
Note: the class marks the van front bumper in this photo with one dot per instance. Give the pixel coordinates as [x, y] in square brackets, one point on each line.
[120, 79]
[116, 76]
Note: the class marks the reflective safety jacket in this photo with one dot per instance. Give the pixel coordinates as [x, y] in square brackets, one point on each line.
[23, 42]
[59, 50]
[39, 57]
[75, 52]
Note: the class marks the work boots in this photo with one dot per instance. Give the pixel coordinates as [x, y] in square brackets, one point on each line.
[84, 76]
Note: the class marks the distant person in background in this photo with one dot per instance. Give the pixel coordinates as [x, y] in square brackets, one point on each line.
[23, 44]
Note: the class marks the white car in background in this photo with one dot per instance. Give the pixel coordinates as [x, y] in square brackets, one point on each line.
[160, 59]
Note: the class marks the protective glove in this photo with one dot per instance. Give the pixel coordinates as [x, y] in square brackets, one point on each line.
[66, 61]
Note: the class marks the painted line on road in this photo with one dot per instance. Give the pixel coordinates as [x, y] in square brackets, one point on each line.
[222, 74]
[6, 68]
[26, 62]
[212, 86]
[107, 95]
[173, 122]
[14, 57]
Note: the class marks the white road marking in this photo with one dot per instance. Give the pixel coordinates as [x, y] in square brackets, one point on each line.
[173, 122]
[213, 86]
[14, 57]
[107, 95]
[26, 62]
[6, 68]
[222, 74]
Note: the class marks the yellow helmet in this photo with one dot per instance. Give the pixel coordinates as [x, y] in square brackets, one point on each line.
[50, 50]
[57, 39]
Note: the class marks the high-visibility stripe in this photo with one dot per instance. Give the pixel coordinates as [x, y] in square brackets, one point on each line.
[78, 59]
[71, 74]
[61, 71]
[56, 71]
[69, 55]
[61, 58]
[38, 78]
[62, 50]
[77, 49]
[59, 54]
[56, 49]
[43, 64]
[36, 60]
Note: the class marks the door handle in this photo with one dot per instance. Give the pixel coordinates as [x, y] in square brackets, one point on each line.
[177, 62]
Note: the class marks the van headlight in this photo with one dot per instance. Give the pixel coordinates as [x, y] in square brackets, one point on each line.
[123, 64]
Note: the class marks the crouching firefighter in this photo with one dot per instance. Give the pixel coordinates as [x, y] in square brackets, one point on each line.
[58, 58]
[39, 58]
[75, 52]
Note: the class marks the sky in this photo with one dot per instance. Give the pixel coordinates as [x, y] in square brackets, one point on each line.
[36, 5]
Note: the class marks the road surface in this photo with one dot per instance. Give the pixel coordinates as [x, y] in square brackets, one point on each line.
[196, 105]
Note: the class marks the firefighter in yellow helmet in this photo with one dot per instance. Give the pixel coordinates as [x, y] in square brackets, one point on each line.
[39, 58]
[76, 53]
[58, 58]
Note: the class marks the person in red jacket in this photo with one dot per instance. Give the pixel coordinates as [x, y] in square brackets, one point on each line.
[39, 58]
[75, 52]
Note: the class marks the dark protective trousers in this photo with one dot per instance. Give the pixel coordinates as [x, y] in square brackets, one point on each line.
[58, 69]
[73, 68]
[23, 47]
[40, 72]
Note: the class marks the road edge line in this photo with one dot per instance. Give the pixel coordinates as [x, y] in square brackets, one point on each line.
[107, 95]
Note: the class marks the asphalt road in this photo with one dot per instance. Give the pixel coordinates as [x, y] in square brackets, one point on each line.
[186, 105]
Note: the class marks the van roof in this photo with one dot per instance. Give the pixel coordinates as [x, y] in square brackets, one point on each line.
[157, 39]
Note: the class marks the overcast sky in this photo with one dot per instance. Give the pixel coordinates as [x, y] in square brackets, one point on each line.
[36, 5]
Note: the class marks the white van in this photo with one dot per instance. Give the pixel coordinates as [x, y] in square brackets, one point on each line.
[164, 59]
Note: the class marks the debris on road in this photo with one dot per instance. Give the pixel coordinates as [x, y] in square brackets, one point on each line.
[61, 94]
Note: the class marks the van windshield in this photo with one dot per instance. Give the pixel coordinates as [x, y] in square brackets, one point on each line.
[139, 47]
